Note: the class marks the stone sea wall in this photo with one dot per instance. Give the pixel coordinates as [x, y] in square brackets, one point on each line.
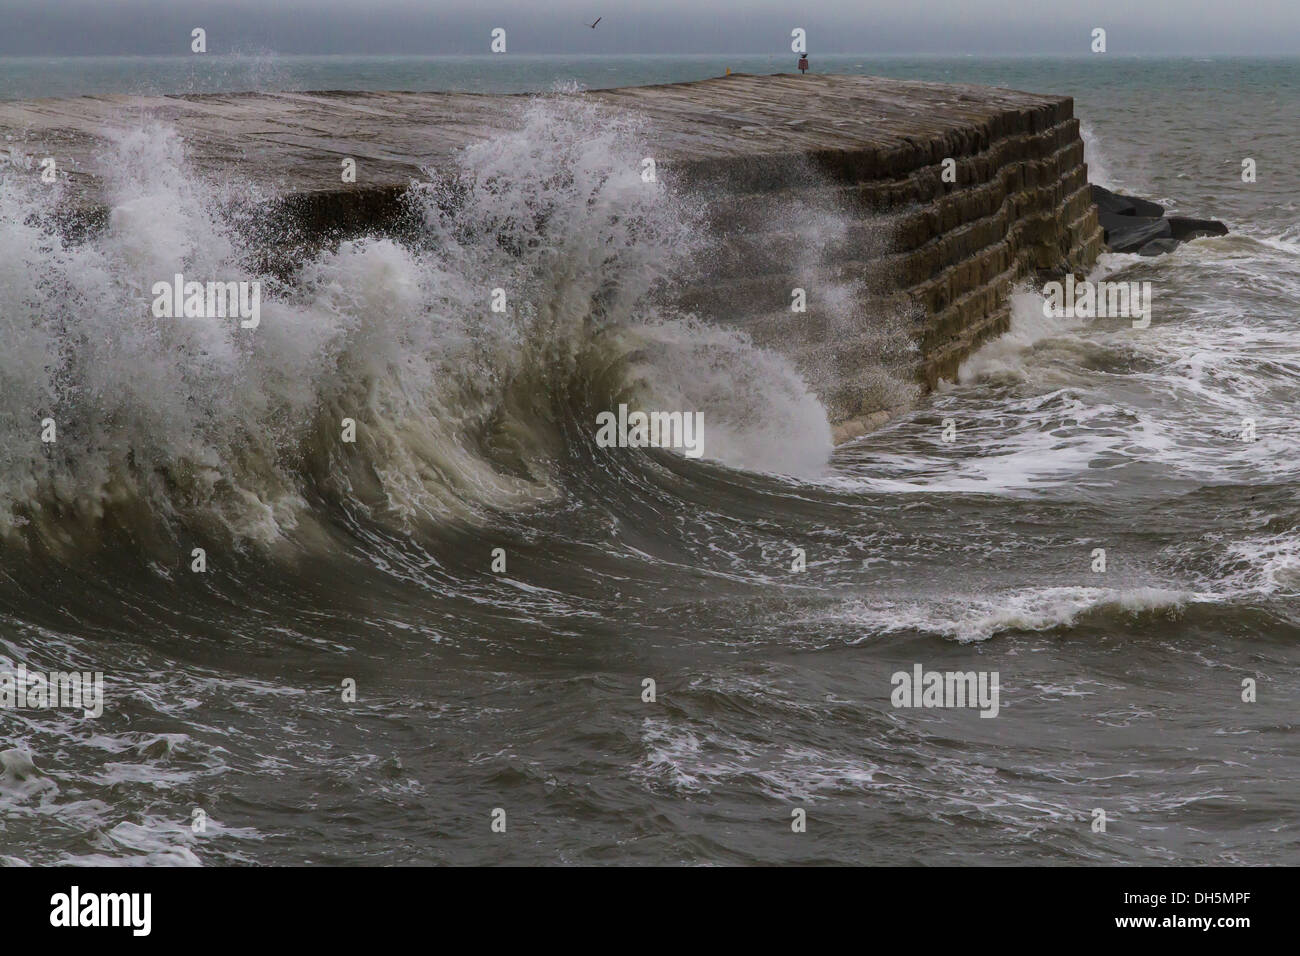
[900, 209]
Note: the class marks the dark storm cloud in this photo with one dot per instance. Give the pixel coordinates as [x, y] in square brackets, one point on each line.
[657, 26]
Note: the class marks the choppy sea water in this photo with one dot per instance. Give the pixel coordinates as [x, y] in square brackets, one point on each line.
[523, 689]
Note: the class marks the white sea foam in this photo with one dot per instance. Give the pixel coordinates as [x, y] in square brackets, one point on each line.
[978, 618]
[457, 406]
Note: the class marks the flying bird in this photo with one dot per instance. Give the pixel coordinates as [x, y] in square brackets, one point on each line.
[593, 25]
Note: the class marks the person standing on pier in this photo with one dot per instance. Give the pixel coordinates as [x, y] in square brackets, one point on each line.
[803, 63]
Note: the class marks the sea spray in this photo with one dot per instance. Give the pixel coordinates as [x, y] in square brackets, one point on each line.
[456, 408]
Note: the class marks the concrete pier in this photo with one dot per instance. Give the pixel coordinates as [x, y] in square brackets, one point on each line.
[945, 252]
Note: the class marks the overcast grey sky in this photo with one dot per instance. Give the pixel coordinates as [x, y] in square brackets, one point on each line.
[651, 26]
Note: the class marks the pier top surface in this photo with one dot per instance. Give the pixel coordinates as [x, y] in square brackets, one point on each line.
[294, 142]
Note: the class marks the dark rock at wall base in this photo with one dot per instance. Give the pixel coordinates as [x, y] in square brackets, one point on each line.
[1145, 207]
[1121, 205]
[1139, 225]
[1131, 233]
[1112, 221]
[1184, 228]
[1112, 203]
[1158, 247]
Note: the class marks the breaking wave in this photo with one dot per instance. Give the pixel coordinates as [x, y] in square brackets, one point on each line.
[163, 425]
